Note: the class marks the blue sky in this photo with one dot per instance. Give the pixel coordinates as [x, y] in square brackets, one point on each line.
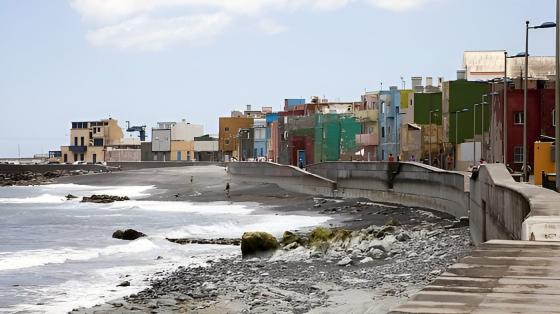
[164, 60]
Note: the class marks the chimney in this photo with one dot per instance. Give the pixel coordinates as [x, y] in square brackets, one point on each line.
[440, 81]
[429, 81]
[461, 74]
[416, 81]
[248, 107]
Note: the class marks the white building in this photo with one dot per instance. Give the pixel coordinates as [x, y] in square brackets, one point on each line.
[487, 65]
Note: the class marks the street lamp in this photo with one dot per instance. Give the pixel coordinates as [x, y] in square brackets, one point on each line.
[456, 113]
[430, 149]
[474, 133]
[505, 122]
[482, 123]
[525, 89]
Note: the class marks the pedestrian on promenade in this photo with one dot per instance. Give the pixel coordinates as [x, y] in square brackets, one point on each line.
[227, 190]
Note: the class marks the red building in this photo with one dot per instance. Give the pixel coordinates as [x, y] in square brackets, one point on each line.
[540, 112]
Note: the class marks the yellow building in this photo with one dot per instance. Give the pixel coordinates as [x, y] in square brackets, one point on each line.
[182, 150]
[229, 132]
[88, 140]
[544, 160]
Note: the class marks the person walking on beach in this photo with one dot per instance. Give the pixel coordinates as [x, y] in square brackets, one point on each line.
[227, 190]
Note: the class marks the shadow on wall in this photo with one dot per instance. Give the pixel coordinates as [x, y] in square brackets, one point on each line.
[501, 208]
[406, 183]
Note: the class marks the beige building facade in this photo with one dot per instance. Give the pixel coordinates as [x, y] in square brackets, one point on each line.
[89, 140]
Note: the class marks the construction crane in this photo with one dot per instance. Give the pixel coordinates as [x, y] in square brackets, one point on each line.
[137, 128]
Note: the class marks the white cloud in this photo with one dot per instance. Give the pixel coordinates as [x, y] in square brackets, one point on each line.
[155, 34]
[271, 27]
[156, 24]
[398, 5]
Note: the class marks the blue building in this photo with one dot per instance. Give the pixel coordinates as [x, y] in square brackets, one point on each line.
[389, 123]
[261, 141]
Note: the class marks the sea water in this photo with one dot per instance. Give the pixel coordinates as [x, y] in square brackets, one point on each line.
[58, 254]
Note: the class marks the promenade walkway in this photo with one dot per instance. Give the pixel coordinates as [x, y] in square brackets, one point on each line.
[500, 276]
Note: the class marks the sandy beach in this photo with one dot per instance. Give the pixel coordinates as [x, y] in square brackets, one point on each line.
[372, 271]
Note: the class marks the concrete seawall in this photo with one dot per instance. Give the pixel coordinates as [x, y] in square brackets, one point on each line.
[289, 178]
[134, 165]
[410, 184]
[497, 206]
[504, 209]
[47, 168]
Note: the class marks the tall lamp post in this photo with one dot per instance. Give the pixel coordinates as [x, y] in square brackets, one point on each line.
[525, 89]
[474, 134]
[456, 113]
[430, 149]
[482, 122]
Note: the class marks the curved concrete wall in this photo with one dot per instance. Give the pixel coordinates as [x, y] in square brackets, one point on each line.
[289, 178]
[504, 209]
[411, 184]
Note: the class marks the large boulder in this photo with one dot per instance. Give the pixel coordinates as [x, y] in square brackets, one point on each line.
[128, 234]
[289, 237]
[258, 244]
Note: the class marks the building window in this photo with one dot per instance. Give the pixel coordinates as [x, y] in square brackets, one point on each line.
[226, 142]
[82, 141]
[82, 157]
[75, 141]
[97, 142]
[382, 131]
[518, 154]
[65, 158]
[370, 130]
[518, 117]
[226, 129]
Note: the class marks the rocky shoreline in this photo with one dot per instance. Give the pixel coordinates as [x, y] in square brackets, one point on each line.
[371, 268]
[36, 178]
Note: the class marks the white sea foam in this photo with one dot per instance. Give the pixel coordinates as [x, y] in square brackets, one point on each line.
[182, 207]
[33, 258]
[99, 286]
[43, 199]
[131, 191]
[55, 193]
[275, 225]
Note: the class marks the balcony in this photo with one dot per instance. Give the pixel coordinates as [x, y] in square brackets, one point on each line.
[367, 139]
[369, 115]
[78, 149]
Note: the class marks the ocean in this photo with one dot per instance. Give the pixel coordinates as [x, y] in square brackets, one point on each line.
[58, 254]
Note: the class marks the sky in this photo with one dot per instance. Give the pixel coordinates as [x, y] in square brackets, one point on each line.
[145, 61]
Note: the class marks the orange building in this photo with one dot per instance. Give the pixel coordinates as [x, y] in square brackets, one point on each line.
[228, 135]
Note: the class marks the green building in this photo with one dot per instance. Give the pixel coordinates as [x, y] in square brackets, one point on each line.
[459, 98]
[335, 135]
[423, 104]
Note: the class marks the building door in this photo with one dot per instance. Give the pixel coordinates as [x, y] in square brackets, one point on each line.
[188, 156]
[65, 158]
[178, 155]
[301, 158]
[94, 158]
